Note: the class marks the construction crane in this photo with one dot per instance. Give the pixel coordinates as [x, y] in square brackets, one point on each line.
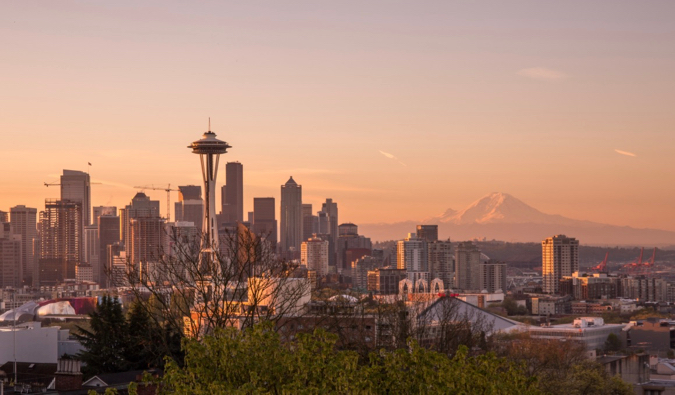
[634, 265]
[648, 266]
[48, 184]
[602, 266]
[168, 196]
[651, 261]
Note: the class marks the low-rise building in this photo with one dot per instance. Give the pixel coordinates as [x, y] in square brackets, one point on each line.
[592, 331]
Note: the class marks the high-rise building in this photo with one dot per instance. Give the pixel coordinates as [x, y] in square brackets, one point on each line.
[360, 269]
[4, 216]
[413, 255]
[6, 230]
[348, 229]
[322, 223]
[146, 240]
[264, 220]
[560, 257]
[190, 205]
[91, 247]
[140, 207]
[23, 222]
[331, 209]
[441, 261]
[181, 239]
[76, 187]
[314, 255]
[10, 260]
[108, 234]
[291, 216]
[428, 233]
[103, 210]
[60, 240]
[308, 220]
[350, 240]
[233, 193]
[467, 266]
[493, 276]
[384, 281]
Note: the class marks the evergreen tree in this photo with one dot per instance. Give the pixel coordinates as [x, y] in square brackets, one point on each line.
[106, 339]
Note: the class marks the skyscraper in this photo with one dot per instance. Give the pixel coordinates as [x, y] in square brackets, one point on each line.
[10, 261]
[412, 255]
[441, 261]
[108, 234]
[60, 240]
[314, 255]
[91, 248]
[291, 216]
[76, 187]
[493, 276]
[146, 240]
[308, 220]
[467, 266]
[428, 232]
[180, 239]
[190, 205]
[102, 210]
[233, 192]
[559, 258]
[264, 219]
[140, 207]
[350, 240]
[331, 210]
[23, 222]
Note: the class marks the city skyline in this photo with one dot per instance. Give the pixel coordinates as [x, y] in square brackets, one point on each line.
[564, 109]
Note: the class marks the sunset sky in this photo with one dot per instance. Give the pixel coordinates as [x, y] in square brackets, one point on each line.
[395, 109]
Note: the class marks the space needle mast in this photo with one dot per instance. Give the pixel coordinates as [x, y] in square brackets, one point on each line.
[209, 149]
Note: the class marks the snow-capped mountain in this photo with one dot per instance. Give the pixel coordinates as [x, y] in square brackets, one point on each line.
[501, 216]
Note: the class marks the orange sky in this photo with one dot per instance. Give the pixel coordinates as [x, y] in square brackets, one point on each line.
[396, 110]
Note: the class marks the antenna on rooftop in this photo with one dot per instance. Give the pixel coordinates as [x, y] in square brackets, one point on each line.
[209, 124]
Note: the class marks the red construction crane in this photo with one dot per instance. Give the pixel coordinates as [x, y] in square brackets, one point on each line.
[651, 261]
[602, 266]
[168, 196]
[639, 261]
[633, 266]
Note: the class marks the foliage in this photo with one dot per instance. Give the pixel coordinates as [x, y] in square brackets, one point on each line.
[115, 343]
[590, 378]
[512, 307]
[613, 343]
[648, 312]
[256, 361]
[105, 341]
[561, 367]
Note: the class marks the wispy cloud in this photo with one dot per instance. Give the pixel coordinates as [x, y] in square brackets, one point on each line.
[390, 156]
[542, 74]
[618, 151]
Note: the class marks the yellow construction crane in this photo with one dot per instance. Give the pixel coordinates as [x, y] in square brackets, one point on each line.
[51, 184]
[168, 196]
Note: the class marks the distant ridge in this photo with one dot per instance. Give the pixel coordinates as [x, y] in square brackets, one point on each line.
[501, 216]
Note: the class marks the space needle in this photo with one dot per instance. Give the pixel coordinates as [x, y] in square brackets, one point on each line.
[209, 149]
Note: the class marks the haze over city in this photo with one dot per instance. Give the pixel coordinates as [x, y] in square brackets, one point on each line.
[396, 111]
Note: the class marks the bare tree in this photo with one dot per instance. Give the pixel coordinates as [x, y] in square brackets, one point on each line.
[245, 282]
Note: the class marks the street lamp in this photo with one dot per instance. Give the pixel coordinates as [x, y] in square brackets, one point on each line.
[3, 378]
